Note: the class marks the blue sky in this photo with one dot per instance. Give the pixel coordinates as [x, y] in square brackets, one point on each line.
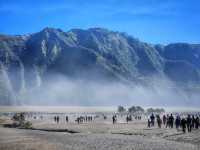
[154, 21]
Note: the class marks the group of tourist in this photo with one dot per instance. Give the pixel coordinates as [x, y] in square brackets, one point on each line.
[82, 119]
[56, 119]
[129, 118]
[190, 122]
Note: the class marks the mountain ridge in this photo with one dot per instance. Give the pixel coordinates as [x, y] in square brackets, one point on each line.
[95, 53]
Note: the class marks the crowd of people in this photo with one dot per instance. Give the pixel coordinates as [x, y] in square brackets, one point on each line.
[186, 123]
[129, 118]
[57, 119]
[189, 122]
[82, 119]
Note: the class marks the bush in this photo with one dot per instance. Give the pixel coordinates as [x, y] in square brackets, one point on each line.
[26, 125]
[20, 122]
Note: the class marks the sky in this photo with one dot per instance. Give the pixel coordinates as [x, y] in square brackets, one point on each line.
[153, 21]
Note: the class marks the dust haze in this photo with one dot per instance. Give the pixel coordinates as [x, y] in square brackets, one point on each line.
[60, 90]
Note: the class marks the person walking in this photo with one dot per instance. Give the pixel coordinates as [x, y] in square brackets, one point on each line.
[114, 119]
[197, 122]
[67, 119]
[164, 119]
[58, 119]
[127, 119]
[171, 121]
[149, 123]
[178, 121]
[159, 121]
[193, 122]
[189, 123]
[167, 121]
[183, 124]
[152, 117]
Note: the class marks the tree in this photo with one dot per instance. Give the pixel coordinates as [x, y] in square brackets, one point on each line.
[132, 109]
[121, 109]
[156, 110]
[139, 109]
[150, 110]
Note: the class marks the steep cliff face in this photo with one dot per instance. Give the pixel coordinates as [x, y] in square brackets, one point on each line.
[11, 68]
[93, 54]
[182, 62]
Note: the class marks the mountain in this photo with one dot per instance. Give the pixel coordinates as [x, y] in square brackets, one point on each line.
[28, 61]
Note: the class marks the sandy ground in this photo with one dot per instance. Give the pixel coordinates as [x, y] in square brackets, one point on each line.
[96, 135]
